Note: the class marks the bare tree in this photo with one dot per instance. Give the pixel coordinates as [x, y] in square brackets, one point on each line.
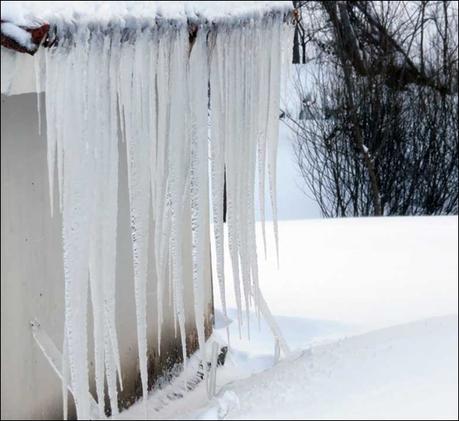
[380, 135]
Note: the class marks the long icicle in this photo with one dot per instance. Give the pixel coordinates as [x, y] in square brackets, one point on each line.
[138, 147]
[198, 90]
[76, 197]
[177, 173]
[217, 146]
[273, 124]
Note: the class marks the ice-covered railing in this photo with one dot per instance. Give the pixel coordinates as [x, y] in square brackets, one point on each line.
[148, 79]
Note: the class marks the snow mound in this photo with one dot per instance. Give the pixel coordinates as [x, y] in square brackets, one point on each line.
[406, 371]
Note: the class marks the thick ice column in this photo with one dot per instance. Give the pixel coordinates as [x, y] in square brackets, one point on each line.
[217, 153]
[132, 96]
[198, 131]
[77, 162]
[161, 212]
[233, 158]
[96, 121]
[110, 218]
[178, 162]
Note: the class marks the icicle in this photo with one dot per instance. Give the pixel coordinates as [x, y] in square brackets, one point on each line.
[247, 182]
[162, 206]
[51, 78]
[95, 113]
[262, 104]
[76, 205]
[176, 170]
[152, 130]
[254, 128]
[59, 84]
[111, 368]
[111, 221]
[217, 145]
[97, 298]
[231, 161]
[37, 70]
[138, 149]
[198, 91]
[273, 131]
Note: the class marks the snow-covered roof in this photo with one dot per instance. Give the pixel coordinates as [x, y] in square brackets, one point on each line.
[25, 25]
[19, 18]
[27, 13]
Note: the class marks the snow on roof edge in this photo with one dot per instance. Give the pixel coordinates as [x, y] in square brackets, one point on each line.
[19, 20]
[124, 13]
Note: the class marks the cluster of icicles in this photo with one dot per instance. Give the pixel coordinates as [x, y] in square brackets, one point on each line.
[177, 105]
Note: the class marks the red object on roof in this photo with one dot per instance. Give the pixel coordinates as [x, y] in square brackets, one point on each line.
[37, 35]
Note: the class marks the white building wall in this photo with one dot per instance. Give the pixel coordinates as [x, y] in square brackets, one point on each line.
[32, 284]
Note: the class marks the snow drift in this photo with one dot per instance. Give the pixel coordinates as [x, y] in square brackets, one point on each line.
[406, 371]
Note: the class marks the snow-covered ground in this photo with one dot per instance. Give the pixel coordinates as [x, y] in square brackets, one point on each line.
[369, 307]
[368, 271]
[407, 371]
